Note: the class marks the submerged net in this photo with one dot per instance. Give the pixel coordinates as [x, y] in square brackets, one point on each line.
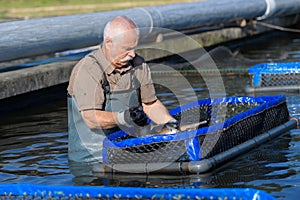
[230, 122]
[275, 74]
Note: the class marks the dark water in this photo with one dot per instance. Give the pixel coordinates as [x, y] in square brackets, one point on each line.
[34, 134]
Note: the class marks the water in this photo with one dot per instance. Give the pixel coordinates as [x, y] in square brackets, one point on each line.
[34, 135]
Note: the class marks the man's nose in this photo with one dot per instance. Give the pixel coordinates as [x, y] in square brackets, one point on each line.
[131, 53]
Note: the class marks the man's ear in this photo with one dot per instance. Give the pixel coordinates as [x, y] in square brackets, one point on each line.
[108, 43]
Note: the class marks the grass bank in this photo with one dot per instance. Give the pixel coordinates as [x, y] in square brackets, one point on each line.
[27, 9]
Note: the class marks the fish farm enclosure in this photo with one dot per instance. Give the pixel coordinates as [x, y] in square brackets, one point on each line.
[238, 99]
[34, 136]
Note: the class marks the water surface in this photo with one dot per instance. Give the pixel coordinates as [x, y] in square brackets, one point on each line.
[34, 134]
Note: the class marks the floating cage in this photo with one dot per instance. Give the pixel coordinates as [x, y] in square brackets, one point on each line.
[230, 121]
[275, 74]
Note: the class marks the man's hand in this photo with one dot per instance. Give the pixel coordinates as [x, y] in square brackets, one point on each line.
[133, 116]
[138, 116]
[132, 120]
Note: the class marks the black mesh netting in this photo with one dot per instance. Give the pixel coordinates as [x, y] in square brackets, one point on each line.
[248, 128]
[170, 148]
[275, 74]
[283, 79]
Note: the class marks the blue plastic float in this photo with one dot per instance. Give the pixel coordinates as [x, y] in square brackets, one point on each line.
[31, 191]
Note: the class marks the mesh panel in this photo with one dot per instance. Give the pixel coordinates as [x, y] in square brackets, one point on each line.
[250, 125]
[280, 79]
[275, 74]
[158, 151]
[275, 116]
[151, 153]
[194, 114]
[249, 128]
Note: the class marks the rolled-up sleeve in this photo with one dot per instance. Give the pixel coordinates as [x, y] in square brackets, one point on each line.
[87, 88]
[147, 87]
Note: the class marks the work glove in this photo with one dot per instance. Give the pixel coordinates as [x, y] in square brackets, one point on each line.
[138, 116]
[132, 120]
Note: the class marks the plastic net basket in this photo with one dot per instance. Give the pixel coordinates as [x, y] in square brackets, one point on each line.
[231, 121]
[275, 74]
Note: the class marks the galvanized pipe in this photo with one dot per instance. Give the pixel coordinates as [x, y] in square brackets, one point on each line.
[48, 35]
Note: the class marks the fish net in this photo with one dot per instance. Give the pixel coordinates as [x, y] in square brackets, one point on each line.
[275, 74]
[229, 122]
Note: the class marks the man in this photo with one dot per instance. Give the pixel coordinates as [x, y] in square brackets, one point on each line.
[111, 88]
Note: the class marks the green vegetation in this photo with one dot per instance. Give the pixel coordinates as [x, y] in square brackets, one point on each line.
[46, 8]
[45, 3]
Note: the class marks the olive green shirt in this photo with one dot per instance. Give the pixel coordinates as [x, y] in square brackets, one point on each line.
[87, 79]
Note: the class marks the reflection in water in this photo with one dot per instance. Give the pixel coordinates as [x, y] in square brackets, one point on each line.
[33, 140]
[34, 134]
[259, 164]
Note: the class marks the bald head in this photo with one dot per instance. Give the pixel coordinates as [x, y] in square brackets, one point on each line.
[119, 41]
[118, 27]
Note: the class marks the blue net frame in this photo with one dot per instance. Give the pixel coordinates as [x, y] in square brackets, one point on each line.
[33, 191]
[255, 116]
[275, 74]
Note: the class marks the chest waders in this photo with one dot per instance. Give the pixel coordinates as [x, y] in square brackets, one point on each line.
[85, 144]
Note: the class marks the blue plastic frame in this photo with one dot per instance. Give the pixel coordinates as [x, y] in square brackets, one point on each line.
[34, 190]
[272, 68]
[192, 144]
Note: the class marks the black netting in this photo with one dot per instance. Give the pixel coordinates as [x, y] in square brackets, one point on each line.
[217, 141]
[148, 153]
[282, 79]
[248, 128]
[275, 74]
[275, 116]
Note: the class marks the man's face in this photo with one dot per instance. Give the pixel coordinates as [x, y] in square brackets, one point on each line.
[123, 48]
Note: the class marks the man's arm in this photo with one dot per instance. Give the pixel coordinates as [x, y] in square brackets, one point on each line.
[99, 119]
[157, 112]
[105, 119]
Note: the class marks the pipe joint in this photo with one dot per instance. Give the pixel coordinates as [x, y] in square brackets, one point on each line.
[270, 9]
